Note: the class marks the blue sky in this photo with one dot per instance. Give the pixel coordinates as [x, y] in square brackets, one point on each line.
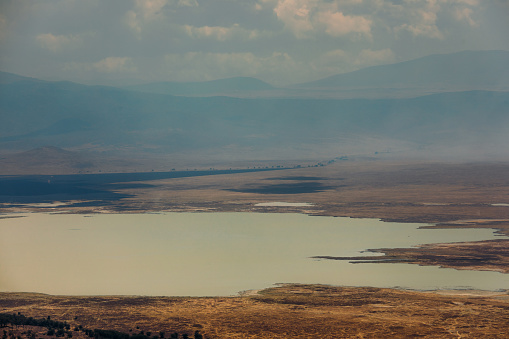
[278, 41]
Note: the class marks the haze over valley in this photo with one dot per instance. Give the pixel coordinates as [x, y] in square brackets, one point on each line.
[462, 119]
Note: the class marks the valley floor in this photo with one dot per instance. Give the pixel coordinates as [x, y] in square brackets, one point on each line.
[435, 194]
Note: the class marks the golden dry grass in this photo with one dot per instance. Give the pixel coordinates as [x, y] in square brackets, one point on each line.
[290, 311]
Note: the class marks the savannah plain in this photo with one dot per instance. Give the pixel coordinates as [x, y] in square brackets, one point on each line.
[445, 195]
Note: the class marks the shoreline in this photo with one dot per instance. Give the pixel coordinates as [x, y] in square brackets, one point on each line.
[434, 195]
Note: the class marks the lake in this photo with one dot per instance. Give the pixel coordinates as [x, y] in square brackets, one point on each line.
[211, 254]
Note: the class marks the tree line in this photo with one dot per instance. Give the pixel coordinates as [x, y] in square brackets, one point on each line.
[63, 329]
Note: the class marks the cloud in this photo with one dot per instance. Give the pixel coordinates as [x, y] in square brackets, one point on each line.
[150, 9]
[115, 65]
[338, 24]
[57, 43]
[295, 15]
[144, 12]
[431, 18]
[304, 17]
[280, 41]
[423, 20]
[466, 15]
[221, 33]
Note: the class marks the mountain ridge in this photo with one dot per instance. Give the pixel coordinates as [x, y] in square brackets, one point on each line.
[75, 116]
[466, 70]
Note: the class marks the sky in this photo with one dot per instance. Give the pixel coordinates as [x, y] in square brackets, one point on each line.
[278, 41]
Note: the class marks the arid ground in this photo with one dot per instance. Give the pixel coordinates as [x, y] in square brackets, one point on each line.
[290, 311]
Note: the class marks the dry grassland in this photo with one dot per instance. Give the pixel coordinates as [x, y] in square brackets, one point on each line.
[290, 311]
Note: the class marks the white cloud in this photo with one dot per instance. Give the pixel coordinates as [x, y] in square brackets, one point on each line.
[57, 43]
[144, 12]
[222, 33]
[295, 15]
[338, 24]
[150, 9]
[115, 65]
[423, 19]
[465, 14]
[307, 17]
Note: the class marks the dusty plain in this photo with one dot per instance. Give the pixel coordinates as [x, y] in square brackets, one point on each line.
[445, 195]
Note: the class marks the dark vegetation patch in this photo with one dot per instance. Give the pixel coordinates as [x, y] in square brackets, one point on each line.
[65, 330]
[39, 190]
[98, 187]
[291, 188]
[302, 178]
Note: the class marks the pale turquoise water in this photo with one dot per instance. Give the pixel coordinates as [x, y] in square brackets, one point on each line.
[214, 253]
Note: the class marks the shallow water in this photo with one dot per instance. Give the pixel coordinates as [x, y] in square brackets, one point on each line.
[200, 254]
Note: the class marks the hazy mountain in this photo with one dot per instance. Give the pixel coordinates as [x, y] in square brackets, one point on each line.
[62, 114]
[231, 87]
[9, 78]
[463, 71]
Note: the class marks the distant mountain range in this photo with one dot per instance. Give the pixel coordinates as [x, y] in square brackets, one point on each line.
[463, 71]
[36, 113]
[466, 70]
[238, 85]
